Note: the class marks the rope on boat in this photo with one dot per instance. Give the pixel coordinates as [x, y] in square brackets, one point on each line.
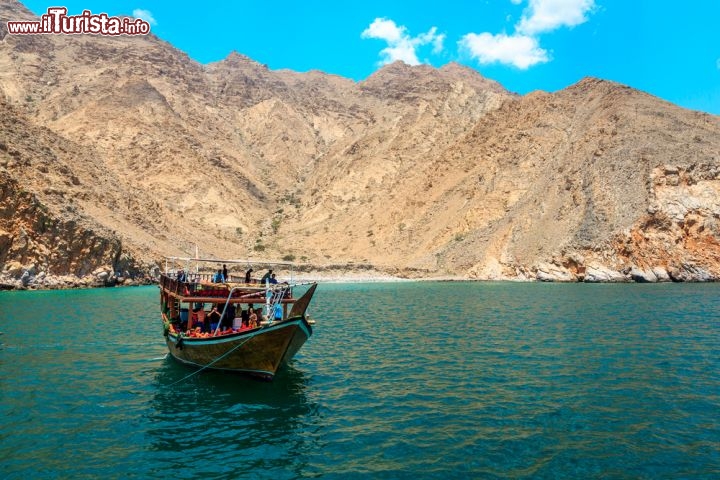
[213, 362]
[271, 291]
[274, 297]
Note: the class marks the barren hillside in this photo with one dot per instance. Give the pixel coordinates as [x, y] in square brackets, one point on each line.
[117, 151]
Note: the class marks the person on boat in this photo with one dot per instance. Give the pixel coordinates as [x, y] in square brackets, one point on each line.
[278, 312]
[260, 315]
[199, 316]
[272, 279]
[228, 317]
[218, 277]
[266, 277]
[245, 315]
[175, 321]
[181, 277]
[248, 276]
[226, 278]
[252, 319]
[212, 318]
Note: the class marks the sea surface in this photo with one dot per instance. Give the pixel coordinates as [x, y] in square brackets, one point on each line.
[399, 381]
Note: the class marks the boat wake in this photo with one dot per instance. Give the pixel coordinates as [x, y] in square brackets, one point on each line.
[158, 358]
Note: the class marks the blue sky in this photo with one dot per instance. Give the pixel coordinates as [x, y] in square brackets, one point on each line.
[670, 49]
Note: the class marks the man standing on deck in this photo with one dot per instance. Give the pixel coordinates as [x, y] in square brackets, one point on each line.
[266, 277]
[218, 277]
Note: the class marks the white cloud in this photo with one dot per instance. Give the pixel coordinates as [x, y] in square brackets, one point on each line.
[432, 38]
[543, 16]
[401, 46]
[384, 29]
[522, 48]
[144, 15]
[438, 43]
[520, 51]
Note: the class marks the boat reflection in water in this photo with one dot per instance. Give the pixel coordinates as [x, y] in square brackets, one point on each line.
[214, 419]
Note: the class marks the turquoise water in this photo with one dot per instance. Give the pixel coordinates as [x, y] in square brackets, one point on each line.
[406, 380]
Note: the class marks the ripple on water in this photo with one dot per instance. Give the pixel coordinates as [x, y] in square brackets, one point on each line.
[427, 380]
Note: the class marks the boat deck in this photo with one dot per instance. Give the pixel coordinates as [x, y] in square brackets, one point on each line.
[183, 306]
[208, 292]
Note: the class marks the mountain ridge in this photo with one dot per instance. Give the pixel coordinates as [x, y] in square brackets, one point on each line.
[415, 171]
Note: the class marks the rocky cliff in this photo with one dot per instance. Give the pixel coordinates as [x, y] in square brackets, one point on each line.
[117, 151]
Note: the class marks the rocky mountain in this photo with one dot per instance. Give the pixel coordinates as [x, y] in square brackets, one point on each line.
[115, 151]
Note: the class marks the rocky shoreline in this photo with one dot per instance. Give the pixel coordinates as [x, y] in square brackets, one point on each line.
[100, 278]
[545, 272]
[685, 273]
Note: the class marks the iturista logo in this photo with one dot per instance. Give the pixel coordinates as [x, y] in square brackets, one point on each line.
[57, 21]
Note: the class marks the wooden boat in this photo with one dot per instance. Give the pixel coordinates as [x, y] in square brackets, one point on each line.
[232, 344]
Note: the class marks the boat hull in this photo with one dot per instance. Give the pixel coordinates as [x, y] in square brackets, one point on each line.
[259, 352]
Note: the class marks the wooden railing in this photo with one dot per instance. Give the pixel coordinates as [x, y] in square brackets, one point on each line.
[193, 286]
